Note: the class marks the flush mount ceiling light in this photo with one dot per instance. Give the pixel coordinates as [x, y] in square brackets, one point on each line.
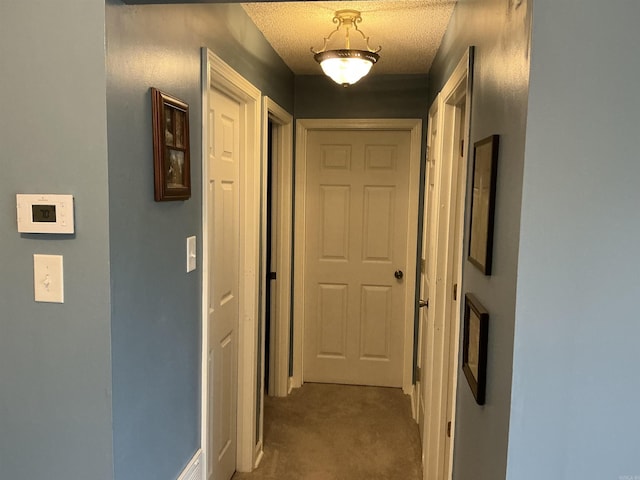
[345, 65]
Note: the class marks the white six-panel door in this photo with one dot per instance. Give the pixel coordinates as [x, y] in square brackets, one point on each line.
[357, 197]
[223, 224]
[427, 283]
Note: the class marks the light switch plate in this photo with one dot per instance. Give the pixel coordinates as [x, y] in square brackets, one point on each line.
[191, 254]
[48, 278]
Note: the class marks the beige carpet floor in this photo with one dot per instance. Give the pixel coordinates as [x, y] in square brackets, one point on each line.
[338, 432]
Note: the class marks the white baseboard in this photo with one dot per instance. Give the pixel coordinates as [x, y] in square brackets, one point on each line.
[414, 403]
[193, 470]
[259, 458]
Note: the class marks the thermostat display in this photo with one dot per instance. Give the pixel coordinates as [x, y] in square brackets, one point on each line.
[45, 213]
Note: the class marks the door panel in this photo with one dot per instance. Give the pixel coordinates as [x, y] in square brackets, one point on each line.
[378, 213]
[375, 322]
[334, 235]
[223, 314]
[332, 321]
[356, 226]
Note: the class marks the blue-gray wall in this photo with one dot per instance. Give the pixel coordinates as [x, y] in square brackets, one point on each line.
[576, 384]
[156, 305]
[375, 96]
[55, 367]
[572, 411]
[500, 32]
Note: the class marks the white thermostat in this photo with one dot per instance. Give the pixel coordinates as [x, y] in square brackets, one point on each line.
[45, 213]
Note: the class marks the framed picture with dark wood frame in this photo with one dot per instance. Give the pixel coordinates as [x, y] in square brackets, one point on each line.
[171, 166]
[474, 346]
[483, 199]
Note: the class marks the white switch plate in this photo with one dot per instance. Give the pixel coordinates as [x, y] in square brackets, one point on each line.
[48, 278]
[191, 254]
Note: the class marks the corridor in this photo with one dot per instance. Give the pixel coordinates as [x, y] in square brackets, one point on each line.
[339, 432]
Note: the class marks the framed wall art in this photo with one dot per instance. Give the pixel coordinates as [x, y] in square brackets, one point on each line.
[171, 165]
[483, 198]
[474, 346]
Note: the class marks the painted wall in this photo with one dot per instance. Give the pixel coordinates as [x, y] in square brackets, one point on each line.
[156, 305]
[500, 32]
[375, 96]
[575, 382]
[55, 367]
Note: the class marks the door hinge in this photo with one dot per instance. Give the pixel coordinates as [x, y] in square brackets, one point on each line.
[455, 291]
[449, 429]
[418, 373]
[461, 148]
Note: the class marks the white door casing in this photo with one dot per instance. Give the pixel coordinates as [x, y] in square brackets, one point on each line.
[449, 153]
[282, 236]
[218, 76]
[304, 127]
[357, 198]
[281, 247]
[455, 106]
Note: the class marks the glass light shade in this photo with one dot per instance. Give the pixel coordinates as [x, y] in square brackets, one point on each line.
[346, 71]
[346, 67]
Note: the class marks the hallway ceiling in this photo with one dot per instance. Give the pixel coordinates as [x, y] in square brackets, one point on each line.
[409, 31]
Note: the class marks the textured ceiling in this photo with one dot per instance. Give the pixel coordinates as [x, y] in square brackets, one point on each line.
[408, 31]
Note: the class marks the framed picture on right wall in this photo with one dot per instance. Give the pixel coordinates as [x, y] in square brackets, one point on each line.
[483, 199]
[474, 346]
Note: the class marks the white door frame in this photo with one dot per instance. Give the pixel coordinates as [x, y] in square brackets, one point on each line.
[282, 198]
[440, 377]
[429, 177]
[303, 127]
[216, 73]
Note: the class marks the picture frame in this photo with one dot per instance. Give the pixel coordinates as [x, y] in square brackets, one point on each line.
[474, 346]
[171, 159]
[483, 199]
